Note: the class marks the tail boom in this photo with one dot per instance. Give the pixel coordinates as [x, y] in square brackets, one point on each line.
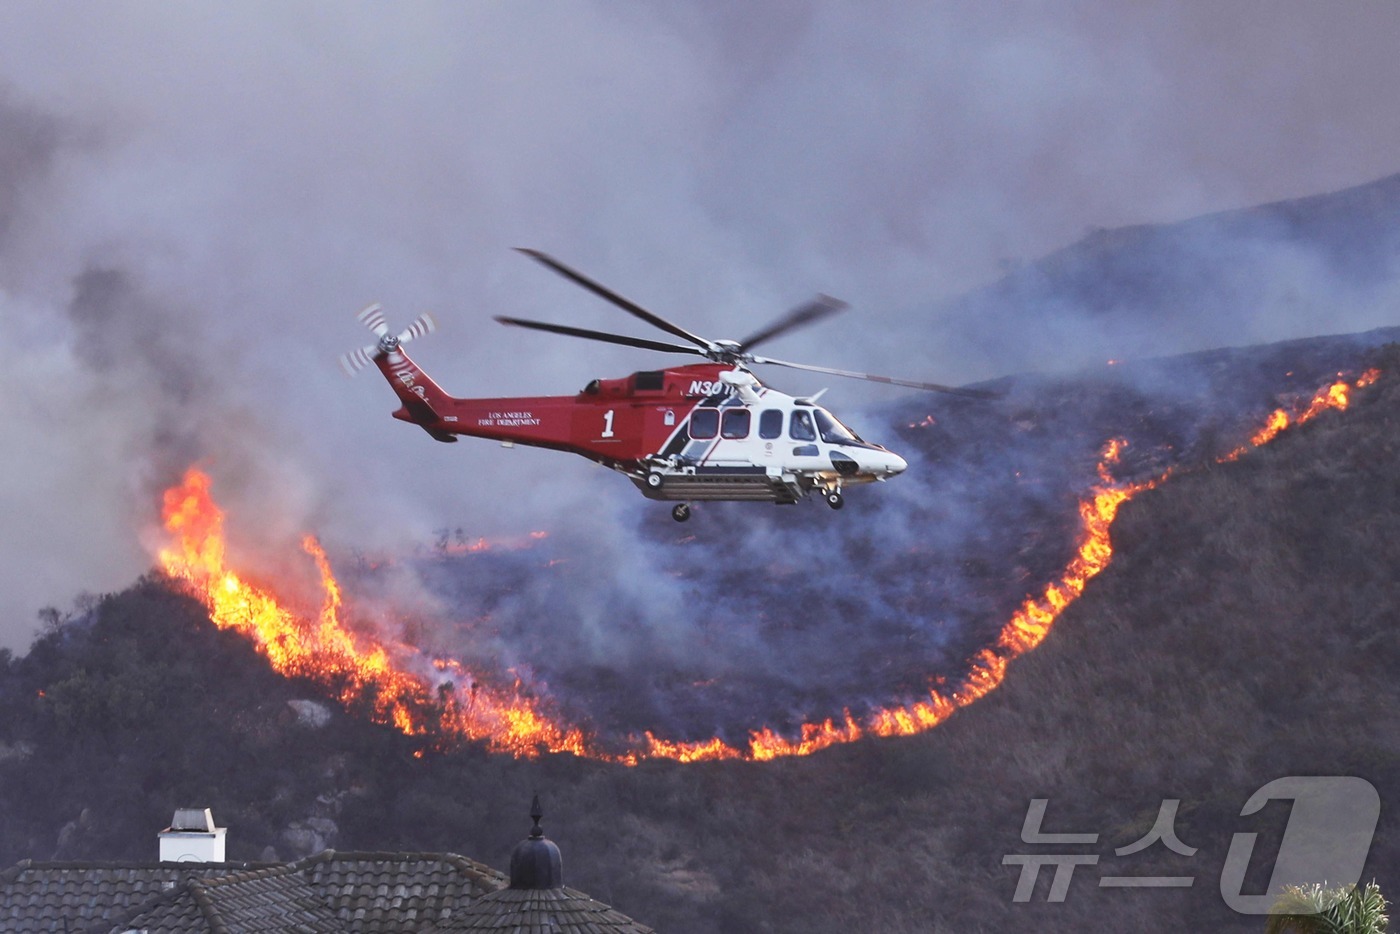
[539, 421]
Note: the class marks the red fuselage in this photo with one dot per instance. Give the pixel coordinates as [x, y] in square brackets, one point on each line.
[616, 422]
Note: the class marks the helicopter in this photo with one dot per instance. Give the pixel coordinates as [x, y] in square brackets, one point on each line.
[700, 432]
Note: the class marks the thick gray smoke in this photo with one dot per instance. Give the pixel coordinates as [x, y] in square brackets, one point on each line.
[194, 201]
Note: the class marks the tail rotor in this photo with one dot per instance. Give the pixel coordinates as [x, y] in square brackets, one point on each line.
[373, 318]
[423, 324]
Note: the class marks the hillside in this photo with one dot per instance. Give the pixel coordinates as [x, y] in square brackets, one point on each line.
[767, 618]
[1244, 632]
[750, 619]
[1236, 277]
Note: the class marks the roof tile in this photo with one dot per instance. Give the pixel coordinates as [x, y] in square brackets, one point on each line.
[356, 893]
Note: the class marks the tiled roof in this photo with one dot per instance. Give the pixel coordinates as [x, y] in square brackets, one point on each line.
[271, 900]
[540, 911]
[78, 897]
[373, 892]
[176, 911]
[358, 893]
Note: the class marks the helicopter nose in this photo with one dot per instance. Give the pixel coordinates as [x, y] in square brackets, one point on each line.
[887, 464]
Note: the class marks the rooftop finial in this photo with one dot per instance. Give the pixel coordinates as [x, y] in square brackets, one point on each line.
[536, 812]
[535, 862]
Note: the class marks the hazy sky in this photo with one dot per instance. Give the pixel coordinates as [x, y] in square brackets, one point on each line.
[196, 198]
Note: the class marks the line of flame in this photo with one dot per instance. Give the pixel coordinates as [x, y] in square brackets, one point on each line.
[1335, 396]
[359, 668]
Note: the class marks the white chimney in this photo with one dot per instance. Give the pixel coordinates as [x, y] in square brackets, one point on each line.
[192, 838]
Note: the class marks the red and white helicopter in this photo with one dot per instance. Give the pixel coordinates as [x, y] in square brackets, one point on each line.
[706, 431]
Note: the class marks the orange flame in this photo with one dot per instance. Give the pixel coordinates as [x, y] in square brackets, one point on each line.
[357, 667]
[1334, 396]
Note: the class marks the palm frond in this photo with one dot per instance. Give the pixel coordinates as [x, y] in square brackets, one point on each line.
[1313, 909]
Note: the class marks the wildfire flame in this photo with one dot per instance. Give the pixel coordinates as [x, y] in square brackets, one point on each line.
[359, 669]
[1335, 396]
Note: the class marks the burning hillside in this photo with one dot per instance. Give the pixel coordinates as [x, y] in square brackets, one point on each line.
[322, 648]
[790, 643]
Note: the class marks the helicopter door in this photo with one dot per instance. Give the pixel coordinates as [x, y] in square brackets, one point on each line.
[801, 443]
[770, 432]
[734, 448]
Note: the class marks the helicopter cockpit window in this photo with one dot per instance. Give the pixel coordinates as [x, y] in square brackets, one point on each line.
[800, 428]
[735, 424]
[833, 432]
[704, 424]
[770, 424]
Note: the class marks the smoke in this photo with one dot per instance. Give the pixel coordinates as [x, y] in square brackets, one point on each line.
[194, 201]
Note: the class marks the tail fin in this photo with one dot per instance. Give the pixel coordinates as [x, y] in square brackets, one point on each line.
[423, 398]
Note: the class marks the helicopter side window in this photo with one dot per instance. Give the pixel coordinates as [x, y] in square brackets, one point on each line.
[735, 424]
[770, 424]
[704, 424]
[800, 428]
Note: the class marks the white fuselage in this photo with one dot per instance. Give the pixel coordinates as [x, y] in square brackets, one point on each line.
[750, 442]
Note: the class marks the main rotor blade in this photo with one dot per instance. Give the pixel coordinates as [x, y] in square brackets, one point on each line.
[641, 342]
[815, 310]
[604, 292]
[870, 377]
